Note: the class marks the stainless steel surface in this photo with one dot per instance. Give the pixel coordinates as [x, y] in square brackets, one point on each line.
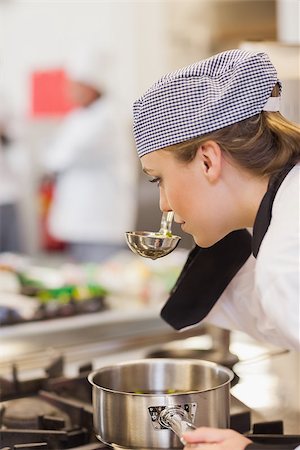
[219, 352]
[178, 420]
[101, 338]
[269, 382]
[150, 244]
[135, 393]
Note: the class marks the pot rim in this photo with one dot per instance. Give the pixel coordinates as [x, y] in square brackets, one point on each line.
[182, 361]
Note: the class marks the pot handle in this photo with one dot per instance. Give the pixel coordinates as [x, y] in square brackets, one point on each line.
[177, 420]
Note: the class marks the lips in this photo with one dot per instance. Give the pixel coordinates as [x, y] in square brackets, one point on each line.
[179, 222]
[182, 224]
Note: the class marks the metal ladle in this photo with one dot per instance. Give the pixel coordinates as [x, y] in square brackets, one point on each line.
[150, 244]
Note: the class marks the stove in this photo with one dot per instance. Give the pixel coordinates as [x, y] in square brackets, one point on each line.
[50, 412]
[55, 412]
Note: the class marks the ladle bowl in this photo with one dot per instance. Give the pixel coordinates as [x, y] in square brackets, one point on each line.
[151, 244]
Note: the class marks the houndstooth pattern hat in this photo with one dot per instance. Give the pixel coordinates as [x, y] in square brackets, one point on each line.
[203, 97]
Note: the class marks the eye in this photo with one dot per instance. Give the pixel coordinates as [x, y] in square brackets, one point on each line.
[155, 180]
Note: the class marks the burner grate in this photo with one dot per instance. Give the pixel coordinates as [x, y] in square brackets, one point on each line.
[53, 439]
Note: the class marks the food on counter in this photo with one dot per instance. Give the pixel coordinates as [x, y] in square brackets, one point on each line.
[64, 300]
[48, 293]
[70, 300]
[63, 292]
[70, 289]
[8, 280]
[16, 308]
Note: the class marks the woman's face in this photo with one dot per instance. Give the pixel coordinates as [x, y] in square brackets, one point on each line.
[184, 188]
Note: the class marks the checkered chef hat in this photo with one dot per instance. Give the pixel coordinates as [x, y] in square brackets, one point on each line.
[205, 96]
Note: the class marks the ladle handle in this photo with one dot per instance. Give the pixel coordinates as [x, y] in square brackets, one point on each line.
[166, 222]
[177, 420]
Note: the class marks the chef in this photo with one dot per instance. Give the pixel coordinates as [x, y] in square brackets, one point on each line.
[212, 138]
[11, 185]
[95, 199]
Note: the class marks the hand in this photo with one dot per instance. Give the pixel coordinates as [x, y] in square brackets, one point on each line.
[215, 439]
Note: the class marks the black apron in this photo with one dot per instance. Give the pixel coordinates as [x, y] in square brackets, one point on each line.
[208, 271]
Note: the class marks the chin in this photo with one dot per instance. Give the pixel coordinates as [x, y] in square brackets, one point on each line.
[205, 243]
[209, 241]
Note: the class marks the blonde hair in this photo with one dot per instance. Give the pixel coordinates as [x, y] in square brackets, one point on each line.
[263, 144]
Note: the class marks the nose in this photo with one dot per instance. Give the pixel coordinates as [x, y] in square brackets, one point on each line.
[163, 202]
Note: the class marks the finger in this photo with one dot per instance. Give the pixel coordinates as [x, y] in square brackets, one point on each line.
[207, 434]
[202, 447]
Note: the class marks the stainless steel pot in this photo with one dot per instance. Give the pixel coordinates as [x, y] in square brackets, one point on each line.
[148, 403]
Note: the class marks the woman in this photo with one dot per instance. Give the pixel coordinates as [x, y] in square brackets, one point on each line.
[212, 138]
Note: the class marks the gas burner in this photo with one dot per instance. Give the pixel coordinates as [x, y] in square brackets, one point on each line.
[40, 413]
[25, 413]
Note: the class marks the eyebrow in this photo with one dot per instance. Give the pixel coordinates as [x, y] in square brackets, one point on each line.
[147, 171]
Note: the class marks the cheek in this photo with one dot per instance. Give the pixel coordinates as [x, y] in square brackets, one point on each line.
[186, 195]
[208, 228]
[200, 218]
[179, 200]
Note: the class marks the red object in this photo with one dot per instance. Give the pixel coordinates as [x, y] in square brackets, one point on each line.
[49, 94]
[46, 191]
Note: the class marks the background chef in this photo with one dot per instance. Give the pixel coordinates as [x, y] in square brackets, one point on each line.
[95, 200]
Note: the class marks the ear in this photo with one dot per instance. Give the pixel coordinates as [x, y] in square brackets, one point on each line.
[210, 155]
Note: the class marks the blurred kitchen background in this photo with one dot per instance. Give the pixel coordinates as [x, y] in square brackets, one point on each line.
[144, 40]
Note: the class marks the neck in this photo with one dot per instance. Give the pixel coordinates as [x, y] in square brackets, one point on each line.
[247, 191]
[254, 194]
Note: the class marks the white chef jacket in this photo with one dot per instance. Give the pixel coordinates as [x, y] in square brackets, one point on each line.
[95, 198]
[9, 184]
[263, 298]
